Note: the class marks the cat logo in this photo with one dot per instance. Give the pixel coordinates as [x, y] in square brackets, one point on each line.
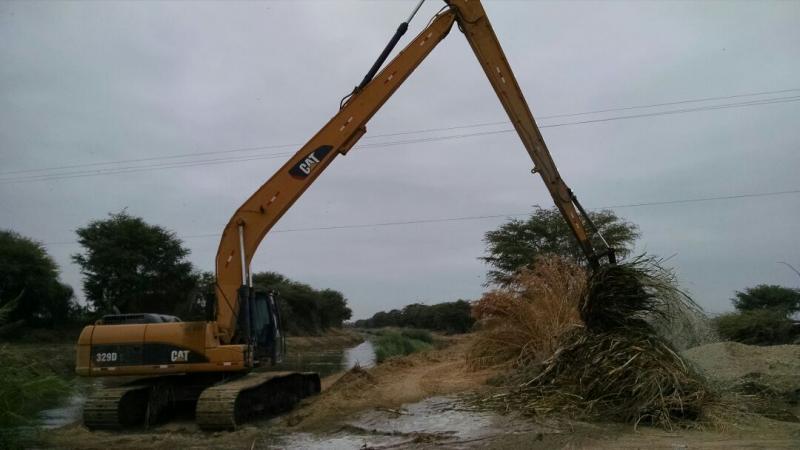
[179, 356]
[306, 165]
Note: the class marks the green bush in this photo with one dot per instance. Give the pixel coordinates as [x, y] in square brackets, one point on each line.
[757, 327]
[417, 334]
[26, 387]
[393, 343]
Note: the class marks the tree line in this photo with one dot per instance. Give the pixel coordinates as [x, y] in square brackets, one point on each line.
[130, 266]
[448, 317]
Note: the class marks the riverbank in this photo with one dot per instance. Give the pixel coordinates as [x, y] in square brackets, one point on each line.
[389, 385]
[333, 338]
[422, 401]
[32, 378]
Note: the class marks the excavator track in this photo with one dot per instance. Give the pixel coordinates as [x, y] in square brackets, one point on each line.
[117, 407]
[227, 405]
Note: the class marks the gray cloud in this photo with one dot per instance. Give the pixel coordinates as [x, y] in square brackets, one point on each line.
[90, 81]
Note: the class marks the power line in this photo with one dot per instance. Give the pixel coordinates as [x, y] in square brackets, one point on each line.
[228, 160]
[401, 133]
[491, 216]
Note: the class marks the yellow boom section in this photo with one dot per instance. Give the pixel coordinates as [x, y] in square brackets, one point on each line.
[473, 21]
[261, 211]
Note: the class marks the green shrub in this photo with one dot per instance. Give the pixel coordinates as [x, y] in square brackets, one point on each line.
[26, 387]
[420, 335]
[757, 327]
[393, 343]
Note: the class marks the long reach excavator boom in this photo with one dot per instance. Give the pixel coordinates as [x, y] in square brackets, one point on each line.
[206, 364]
[261, 211]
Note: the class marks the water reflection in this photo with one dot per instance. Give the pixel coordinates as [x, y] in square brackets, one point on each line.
[328, 361]
[363, 354]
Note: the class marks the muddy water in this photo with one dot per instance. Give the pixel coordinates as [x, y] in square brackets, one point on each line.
[435, 421]
[325, 362]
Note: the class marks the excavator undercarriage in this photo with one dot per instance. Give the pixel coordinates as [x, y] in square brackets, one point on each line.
[217, 401]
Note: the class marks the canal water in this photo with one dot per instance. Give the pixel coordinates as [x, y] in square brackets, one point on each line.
[323, 361]
[327, 361]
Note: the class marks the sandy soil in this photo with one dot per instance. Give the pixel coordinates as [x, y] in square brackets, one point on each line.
[777, 366]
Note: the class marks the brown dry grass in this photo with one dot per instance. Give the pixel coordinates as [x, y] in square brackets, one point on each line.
[586, 346]
[522, 323]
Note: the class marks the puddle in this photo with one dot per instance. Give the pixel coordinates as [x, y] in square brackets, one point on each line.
[435, 415]
[63, 415]
[435, 421]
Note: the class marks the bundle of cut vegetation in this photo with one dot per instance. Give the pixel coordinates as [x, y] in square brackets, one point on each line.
[619, 376]
[616, 367]
[521, 323]
[632, 294]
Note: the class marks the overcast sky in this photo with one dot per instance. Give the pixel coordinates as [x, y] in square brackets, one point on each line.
[96, 82]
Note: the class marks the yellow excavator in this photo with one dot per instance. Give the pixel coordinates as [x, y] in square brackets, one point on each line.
[210, 365]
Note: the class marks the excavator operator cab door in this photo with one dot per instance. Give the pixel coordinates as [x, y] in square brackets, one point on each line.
[267, 327]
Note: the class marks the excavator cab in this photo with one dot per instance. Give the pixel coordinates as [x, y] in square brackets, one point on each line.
[260, 326]
[268, 337]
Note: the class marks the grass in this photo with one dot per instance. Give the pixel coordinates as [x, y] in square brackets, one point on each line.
[32, 378]
[417, 334]
[393, 342]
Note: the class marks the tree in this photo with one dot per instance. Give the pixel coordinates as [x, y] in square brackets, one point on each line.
[766, 296]
[305, 310]
[29, 275]
[516, 244]
[763, 316]
[757, 327]
[449, 317]
[133, 266]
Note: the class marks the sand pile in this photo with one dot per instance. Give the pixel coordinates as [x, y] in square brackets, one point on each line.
[728, 362]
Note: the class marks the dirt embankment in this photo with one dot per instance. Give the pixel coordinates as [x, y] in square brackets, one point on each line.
[333, 338]
[391, 384]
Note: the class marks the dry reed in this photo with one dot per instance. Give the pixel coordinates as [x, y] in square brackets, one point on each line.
[613, 367]
[522, 323]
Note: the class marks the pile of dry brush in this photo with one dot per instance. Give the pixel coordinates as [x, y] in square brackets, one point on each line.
[586, 346]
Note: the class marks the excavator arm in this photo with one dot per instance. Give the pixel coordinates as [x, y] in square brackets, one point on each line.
[472, 20]
[252, 221]
[261, 211]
